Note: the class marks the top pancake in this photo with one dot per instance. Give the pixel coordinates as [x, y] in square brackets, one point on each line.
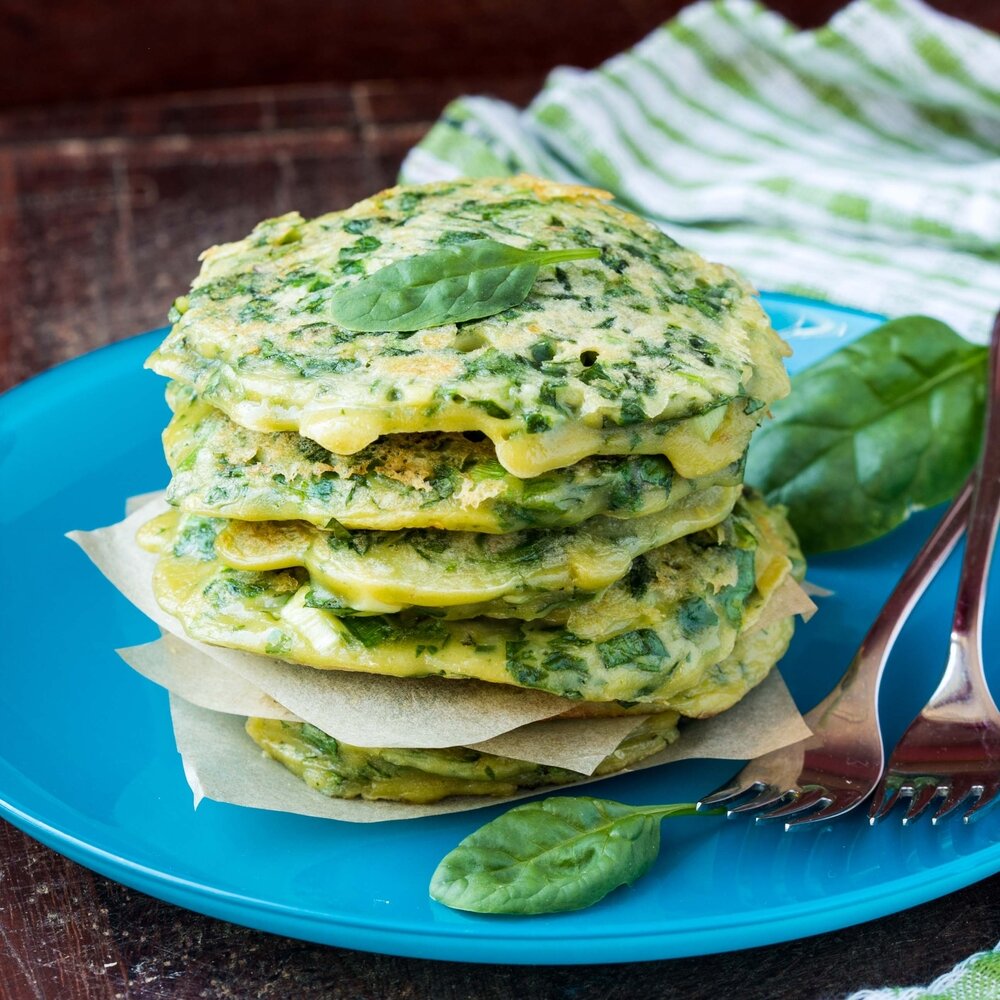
[647, 350]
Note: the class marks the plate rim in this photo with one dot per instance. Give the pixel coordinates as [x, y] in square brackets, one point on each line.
[472, 942]
[482, 939]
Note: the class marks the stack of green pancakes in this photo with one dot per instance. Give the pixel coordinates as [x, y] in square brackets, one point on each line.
[548, 496]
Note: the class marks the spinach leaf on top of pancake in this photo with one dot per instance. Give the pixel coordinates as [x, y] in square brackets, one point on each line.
[648, 349]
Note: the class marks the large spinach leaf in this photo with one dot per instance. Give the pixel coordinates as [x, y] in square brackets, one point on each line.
[887, 425]
[563, 853]
[458, 283]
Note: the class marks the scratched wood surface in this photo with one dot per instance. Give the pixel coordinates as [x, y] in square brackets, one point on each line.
[51, 51]
[66, 933]
[105, 203]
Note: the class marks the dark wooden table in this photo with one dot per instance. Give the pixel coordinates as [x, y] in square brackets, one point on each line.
[104, 206]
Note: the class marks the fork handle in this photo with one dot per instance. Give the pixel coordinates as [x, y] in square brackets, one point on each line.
[854, 699]
[919, 574]
[985, 511]
[964, 678]
[982, 492]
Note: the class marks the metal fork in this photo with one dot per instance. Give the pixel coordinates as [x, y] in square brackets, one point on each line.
[838, 767]
[951, 750]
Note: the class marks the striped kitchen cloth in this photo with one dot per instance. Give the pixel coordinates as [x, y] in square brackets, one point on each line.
[977, 978]
[858, 163]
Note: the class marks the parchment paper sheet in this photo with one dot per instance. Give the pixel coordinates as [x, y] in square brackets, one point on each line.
[221, 762]
[184, 670]
[579, 744]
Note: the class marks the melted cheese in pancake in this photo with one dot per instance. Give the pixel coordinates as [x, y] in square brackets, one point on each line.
[650, 637]
[606, 356]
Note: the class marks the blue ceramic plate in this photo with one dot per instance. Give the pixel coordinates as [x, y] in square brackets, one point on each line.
[88, 766]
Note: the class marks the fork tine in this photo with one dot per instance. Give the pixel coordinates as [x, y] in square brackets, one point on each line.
[835, 807]
[728, 792]
[956, 795]
[770, 795]
[986, 798]
[800, 804]
[921, 797]
[886, 796]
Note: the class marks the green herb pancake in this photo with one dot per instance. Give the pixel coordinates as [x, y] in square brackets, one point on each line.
[419, 776]
[647, 349]
[435, 480]
[650, 637]
[463, 574]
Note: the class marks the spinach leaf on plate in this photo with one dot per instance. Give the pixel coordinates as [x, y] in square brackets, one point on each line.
[452, 285]
[887, 425]
[563, 853]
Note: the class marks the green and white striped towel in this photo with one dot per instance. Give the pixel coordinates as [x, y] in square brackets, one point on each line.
[859, 163]
[977, 978]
